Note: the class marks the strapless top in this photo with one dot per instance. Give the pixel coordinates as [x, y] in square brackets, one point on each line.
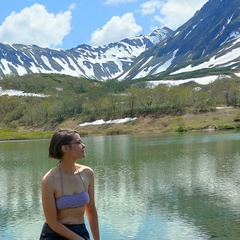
[72, 201]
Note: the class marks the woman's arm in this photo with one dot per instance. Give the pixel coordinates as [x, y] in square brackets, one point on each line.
[91, 211]
[50, 211]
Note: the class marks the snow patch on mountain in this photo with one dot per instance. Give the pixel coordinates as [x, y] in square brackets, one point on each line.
[229, 59]
[101, 121]
[12, 92]
[200, 80]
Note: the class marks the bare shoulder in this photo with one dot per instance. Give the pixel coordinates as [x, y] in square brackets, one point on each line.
[49, 176]
[86, 170]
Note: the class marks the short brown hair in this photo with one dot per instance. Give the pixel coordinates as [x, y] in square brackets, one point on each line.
[60, 137]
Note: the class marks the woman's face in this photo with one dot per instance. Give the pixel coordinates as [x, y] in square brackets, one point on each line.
[76, 148]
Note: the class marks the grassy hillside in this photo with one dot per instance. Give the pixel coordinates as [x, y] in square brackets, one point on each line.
[70, 101]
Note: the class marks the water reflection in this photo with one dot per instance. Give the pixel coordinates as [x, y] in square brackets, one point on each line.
[20, 173]
[190, 182]
[170, 187]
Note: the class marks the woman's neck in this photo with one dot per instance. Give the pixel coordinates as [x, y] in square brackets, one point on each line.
[67, 168]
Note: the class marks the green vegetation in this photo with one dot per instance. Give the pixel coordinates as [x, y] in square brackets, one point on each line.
[70, 101]
[10, 134]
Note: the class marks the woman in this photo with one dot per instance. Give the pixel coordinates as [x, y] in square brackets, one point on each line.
[68, 191]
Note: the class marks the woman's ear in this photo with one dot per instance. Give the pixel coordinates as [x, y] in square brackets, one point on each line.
[65, 148]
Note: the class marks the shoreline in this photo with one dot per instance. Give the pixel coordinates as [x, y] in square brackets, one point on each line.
[221, 119]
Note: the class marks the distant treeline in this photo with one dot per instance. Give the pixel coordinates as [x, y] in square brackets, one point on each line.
[89, 100]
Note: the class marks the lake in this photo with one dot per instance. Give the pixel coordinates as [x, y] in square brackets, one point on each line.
[158, 187]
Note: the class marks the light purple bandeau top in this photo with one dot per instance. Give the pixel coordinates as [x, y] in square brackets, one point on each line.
[74, 200]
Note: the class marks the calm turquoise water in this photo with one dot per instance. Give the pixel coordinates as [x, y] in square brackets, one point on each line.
[158, 187]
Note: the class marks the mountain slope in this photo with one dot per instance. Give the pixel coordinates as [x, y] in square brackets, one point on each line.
[211, 38]
[101, 63]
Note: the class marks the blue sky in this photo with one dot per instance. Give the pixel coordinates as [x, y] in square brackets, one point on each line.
[66, 24]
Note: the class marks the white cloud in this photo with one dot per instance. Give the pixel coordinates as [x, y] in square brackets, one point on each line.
[172, 13]
[34, 25]
[114, 2]
[116, 29]
[72, 6]
[151, 7]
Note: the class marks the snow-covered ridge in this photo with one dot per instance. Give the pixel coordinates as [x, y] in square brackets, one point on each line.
[209, 40]
[97, 62]
[228, 58]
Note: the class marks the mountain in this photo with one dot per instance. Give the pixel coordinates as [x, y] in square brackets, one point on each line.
[101, 62]
[209, 41]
